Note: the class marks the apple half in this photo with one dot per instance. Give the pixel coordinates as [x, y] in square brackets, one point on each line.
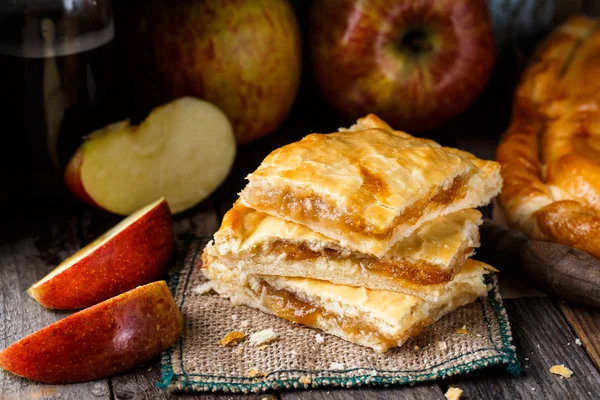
[132, 253]
[99, 341]
[182, 151]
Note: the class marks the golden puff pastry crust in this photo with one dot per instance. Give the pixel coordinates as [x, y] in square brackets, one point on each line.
[373, 318]
[368, 186]
[258, 243]
[550, 154]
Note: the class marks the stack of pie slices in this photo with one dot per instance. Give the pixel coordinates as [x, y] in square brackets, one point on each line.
[364, 233]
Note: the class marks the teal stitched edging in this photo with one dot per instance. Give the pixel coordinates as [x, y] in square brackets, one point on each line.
[507, 355]
[183, 244]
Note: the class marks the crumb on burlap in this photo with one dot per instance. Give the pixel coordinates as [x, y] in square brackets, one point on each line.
[442, 345]
[244, 323]
[319, 338]
[415, 347]
[453, 393]
[305, 380]
[240, 349]
[463, 330]
[263, 337]
[232, 338]
[561, 370]
[262, 347]
[254, 373]
[203, 288]
[336, 365]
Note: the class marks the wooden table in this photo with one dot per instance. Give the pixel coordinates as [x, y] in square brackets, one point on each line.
[33, 241]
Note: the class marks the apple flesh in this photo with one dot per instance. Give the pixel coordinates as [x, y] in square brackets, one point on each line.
[99, 341]
[244, 57]
[134, 252]
[182, 151]
[416, 64]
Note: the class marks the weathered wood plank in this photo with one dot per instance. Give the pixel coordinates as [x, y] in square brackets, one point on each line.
[585, 323]
[30, 247]
[419, 392]
[543, 339]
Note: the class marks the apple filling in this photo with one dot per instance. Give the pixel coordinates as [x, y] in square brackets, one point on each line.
[303, 205]
[287, 305]
[419, 272]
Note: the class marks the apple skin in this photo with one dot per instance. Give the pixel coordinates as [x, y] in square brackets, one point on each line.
[135, 256]
[99, 341]
[416, 64]
[244, 56]
[73, 177]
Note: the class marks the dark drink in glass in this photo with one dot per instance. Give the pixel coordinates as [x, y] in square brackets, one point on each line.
[56, 86]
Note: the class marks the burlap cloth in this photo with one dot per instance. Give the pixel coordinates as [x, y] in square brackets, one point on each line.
[300, 359]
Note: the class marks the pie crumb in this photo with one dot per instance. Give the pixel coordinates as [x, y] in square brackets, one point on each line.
[240, 349]
[203, 288]
[319, 338]
[254, 373]
[263, 337]
[415, 347]
[578, 342]
[262, 347]
[336, 365]
[232, 338]
[442, 345]
[561, 370]
[244, 323]
[463, 330]
[453, 393]
[305, 380]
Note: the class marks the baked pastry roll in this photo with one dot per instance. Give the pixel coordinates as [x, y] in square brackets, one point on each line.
[373, 318]
[368, 186]
[257, 243]
[550, 154]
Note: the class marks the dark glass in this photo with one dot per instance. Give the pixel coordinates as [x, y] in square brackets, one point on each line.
[56, 86]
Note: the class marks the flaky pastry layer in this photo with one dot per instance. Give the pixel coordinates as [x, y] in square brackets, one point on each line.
[368, 186]
[373, 318]
[258, 243]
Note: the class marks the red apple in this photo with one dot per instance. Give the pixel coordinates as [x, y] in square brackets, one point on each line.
[132, 253]
[183, 151]
[244, 56]
[99, 341]
[416, 64]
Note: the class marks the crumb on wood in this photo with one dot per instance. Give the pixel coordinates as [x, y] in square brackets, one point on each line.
[463, 330]
[203, 288]
[305, 380]
[254, 373]
[561, 370]
[578, 342]
[263, 337]
[232, 338]
[453, 393]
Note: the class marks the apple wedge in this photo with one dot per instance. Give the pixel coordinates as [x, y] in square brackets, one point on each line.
[134, 252]
[99, 341]
[182, 151]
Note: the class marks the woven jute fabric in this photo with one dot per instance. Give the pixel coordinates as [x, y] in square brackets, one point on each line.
[307, 358]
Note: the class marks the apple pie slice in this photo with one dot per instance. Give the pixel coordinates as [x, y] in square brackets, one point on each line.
[257, 243]
[368, 186]
[374, 318]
